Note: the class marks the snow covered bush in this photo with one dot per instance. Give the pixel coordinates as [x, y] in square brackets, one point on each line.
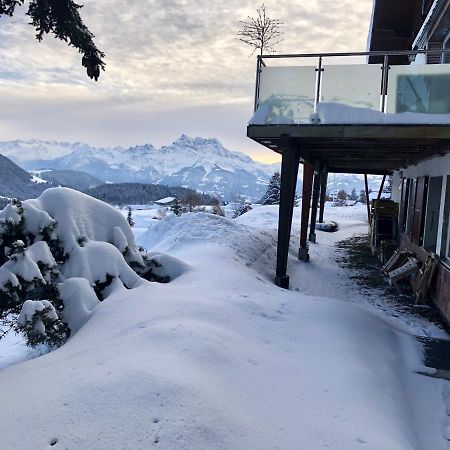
[41, 324]
[240, 206]
[218, 210]
[149, 270]
[61, 254]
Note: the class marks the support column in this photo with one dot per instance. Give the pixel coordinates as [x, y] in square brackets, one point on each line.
[303, 253]
[366, 184]
[294, 184]
[315, 203]
[323, 193]
[289, 169]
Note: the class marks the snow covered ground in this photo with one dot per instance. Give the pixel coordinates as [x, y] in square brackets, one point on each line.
[220, 358]
[145, 216]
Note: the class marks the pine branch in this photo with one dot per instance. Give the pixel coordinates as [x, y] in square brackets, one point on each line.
[7, 7]
[61, 17]
[6, 327]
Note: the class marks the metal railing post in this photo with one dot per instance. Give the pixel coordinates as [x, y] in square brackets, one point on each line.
[384, 82]
[258, 76]
[319, 71]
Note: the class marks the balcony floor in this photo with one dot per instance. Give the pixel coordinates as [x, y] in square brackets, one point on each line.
[374, 149]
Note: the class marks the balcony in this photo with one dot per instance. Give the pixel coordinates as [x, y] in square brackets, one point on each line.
[352, 116]
[334, 113]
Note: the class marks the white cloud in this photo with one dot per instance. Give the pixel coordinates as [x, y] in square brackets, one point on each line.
[172, 66]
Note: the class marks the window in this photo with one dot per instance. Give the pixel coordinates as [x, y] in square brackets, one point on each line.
[444, 251]
[445, 248]
[433, 206]
[420, 210]
[404, 203]
[445, 58]
[411, 203]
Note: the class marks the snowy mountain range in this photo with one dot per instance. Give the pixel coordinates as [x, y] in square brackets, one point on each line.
[197, 163]
[202, 164]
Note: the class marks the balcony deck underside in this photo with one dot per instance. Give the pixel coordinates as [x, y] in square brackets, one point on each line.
[374, 149]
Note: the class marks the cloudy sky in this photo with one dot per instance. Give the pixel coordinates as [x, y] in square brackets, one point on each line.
[173, 67]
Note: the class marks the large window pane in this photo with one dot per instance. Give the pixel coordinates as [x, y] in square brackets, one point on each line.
[419, 88]
[287, 93]
[356, 85]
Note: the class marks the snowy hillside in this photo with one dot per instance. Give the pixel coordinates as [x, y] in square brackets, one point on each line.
[16, 182]
[198, 163]
[220, 358]
[74, 179]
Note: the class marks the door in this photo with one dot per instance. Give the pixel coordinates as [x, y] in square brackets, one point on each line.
[432, 214]
[419, 210]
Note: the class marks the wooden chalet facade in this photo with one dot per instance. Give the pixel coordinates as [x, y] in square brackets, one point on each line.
[423, 189]
[369, 135]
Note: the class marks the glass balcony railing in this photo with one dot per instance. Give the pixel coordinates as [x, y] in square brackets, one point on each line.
[323, 90]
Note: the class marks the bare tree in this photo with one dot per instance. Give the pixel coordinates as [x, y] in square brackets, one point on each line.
[261, 32]
[192, 200]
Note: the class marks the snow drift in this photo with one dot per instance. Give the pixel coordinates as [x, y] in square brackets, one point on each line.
[222, 359]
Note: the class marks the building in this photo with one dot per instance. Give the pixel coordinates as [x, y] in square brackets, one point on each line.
[336, 113]
[166, 201]
[423, 189]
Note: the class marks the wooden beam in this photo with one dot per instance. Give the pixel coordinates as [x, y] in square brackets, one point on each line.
[353, 131]
[359, 171]
[358, 148]
[303, 252]
[315, 203]
[381, 187]
[323, 193]
[366, 183]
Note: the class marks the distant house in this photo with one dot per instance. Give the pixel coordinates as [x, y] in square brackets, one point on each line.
[166, 201]
[385, 111]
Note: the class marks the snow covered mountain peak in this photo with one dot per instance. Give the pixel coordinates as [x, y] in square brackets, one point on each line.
[139, 149]
[205, 147]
